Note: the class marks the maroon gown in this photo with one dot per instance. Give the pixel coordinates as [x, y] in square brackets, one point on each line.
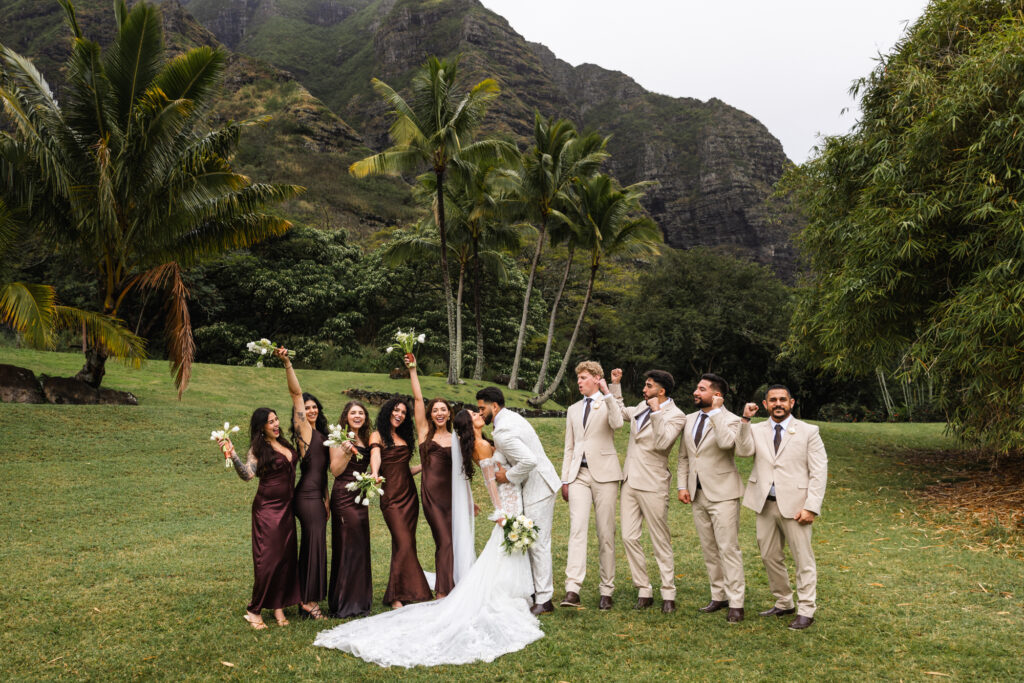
[309, 508]
[401, 509]
[436, 489]
[275, 575]
[350, 593]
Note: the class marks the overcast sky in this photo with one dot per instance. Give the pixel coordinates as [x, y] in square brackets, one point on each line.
[789, 63]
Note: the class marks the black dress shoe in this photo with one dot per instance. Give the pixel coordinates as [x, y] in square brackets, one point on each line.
[605, 603]
[668, 606]
[542, 608]
[776, 612]
[800, 623]
[735, 615]
[643, 603]
[714, 606]
[571, 599]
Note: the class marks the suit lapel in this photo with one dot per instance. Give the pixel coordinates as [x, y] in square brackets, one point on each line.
[768, 435]
[786, 437]
[647, 421]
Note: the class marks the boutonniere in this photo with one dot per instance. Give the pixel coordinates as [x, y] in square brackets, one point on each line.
[791, 430]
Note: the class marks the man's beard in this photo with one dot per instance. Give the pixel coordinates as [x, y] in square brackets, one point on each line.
[700, 403]
[487, 418]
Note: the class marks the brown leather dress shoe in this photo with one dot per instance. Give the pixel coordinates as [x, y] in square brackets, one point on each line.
[605, 603]
[643, 603]
[571, 599]
[735, 615]
[776, 612]
[800, 623]
[668, 606]
[542, 608]
[714, 606]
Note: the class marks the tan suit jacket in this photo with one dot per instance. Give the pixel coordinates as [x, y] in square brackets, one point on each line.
[799, 470]
[712, 459]
[646, 467]
[596, 441]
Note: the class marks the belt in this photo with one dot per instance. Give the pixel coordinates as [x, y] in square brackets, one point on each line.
[772, 498]
[583, 463]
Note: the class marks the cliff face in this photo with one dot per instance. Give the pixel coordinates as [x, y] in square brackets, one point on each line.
[714, 164]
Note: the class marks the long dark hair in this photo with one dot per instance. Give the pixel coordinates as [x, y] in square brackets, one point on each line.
[404, 430]
[261, 448]
[321, 420]
[363, 432]
[433, 425]
[463, 423]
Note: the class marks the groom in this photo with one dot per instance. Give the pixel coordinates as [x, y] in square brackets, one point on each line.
[531, 470]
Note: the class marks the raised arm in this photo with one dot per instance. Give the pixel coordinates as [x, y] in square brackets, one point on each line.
[299, 421]
[666, 429]
[418, 410]
[611, 406]
[616, 388]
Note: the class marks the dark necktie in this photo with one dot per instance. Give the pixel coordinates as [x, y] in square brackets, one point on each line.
[586, 411]
[700, 429]
[778, 436]
[641, 419]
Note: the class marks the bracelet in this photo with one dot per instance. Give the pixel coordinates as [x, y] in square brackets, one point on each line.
[745, 418]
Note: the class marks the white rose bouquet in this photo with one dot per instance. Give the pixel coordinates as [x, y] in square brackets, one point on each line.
[406, 341]
[224, 435]
[520, 534]
[261, 349]
[336, 436]
[366, 487]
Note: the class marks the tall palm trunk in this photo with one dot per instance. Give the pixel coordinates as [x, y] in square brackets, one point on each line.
[449, 302]
[478, 369]
[458, 319]
[543, 374]
[539, 400]
[95, 366]
[513, 381]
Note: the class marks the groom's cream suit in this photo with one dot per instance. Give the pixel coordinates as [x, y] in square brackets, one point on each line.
[645, 489]
[530, 469]
[591, 468]
[798, 471]
[707, 469]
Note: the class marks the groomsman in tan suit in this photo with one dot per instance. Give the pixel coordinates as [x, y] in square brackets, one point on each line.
[708, 478]
[654, 426]
[590, 478]
[786, 488]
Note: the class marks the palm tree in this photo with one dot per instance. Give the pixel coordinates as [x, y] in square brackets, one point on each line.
[561, 231]
[611, 222]
[431, 129]
[33, 312]
[558, 156]
[126, 173]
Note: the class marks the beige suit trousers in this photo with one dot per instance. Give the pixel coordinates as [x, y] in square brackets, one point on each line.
[773, 530]
[718, 528]
[585, 493]
[652, 507]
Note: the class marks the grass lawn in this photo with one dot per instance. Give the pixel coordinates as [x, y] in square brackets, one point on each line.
[126, 554]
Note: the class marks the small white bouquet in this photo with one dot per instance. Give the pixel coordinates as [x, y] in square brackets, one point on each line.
[520, 533]
[336, 436]
[224, 435]
[407, 341]
[261, 349]
[366, 487]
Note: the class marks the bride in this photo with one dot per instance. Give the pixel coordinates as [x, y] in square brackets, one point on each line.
[487, 614]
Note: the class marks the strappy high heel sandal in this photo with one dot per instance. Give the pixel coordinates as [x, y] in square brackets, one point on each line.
[314, 613]
[254, 621]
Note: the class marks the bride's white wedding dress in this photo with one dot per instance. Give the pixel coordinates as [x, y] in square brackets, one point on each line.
[486, 615]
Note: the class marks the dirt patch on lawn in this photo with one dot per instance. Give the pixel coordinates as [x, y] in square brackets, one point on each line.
[975, 497]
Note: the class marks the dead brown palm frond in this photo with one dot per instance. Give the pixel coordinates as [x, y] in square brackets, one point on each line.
[181, 347]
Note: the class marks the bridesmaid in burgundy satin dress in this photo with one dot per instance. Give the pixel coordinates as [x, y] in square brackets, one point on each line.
[390, 452]
[350, 593]
[312, 510]
[272, 459]
[434, 432]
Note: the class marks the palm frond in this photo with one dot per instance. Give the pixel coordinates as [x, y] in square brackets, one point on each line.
[135, 57]
[181, 348]
[194, 75]
[28, 309]
[105, 331]
[394, 161]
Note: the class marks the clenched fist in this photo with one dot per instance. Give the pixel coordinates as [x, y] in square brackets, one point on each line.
[617, 376]
[750, 410]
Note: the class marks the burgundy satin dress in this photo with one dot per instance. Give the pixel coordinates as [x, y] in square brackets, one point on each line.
[312, 514]
[350, 593]
[436, 490]
[401, 509]
[275, 569]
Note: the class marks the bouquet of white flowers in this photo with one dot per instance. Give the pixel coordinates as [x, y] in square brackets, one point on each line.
[336, 436]
[224, 435]
[520, 533]
[261, 349]
[366, 487]
[407, 341]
